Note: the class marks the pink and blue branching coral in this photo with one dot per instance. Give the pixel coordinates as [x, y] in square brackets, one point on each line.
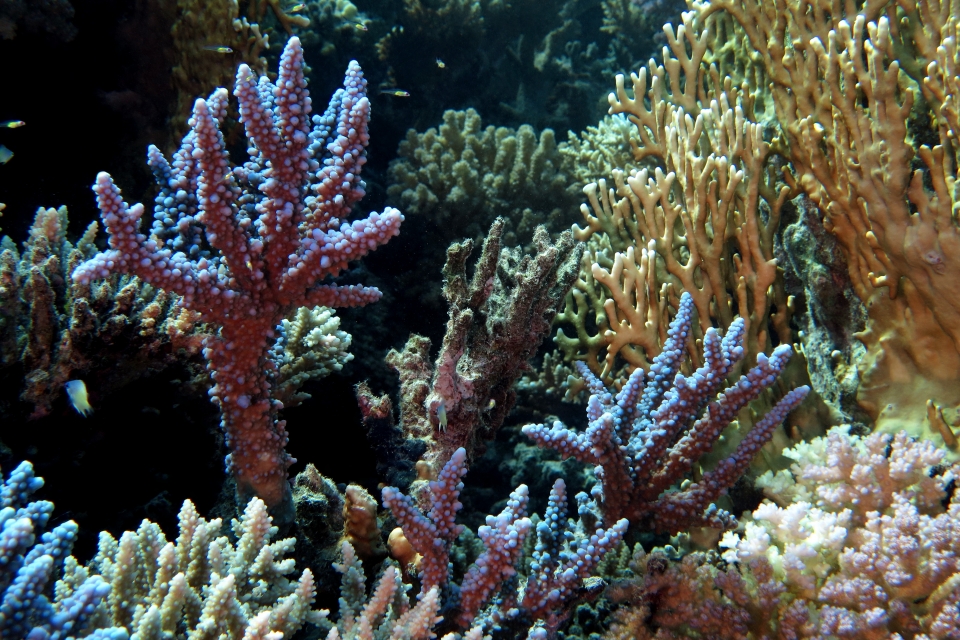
[645, 439]
[492, 592]
[246, 245]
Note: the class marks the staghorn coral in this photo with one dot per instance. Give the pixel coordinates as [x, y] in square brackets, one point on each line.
[109, 333]
[202, 585]
[30, 606]
[497, 320]
[645, 439]
[565, 555]
[272, 231]
[386, 614]
[861, 541]
[864, 96]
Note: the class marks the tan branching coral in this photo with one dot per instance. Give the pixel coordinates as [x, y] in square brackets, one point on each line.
[113, 332]
[202, 585]
[865, 96]
[698, 215]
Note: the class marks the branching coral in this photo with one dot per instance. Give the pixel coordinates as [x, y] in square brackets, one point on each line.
[110, 332]
[698, 215]
[862, 541]
[646, 438]
[497, 319]
[865, 96]
[29, 606]
[202, 585]
[309, 347]
[566, 553]
[246, 246]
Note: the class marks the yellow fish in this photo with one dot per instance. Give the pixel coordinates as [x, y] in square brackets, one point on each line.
[400, 93]
[441, 63]
[12, 124]
[77, 392]
[297, 8]
[219, 48]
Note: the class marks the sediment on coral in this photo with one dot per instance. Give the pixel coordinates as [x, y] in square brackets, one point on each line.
[497, 319]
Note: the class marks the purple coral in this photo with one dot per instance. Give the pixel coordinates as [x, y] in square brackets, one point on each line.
[646, 439]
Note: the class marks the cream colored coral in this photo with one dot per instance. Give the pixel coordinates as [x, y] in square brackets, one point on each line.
[203, 586]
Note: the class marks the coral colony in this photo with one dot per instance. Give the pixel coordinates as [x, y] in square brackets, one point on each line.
[273, 231]
[690, 321]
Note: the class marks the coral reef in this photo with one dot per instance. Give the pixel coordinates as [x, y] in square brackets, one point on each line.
[864, 102]
[273, 228]
[562, 560]
[29, 566]
[109, 332]
[462, 177]
[697, 215]
[309, 347]
[201, 27]
[202, 585]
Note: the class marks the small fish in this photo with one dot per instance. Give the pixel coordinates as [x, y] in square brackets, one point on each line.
[11, 124]
[400, 93]
[152, 410]
[5, 154]
[441, 64]
[298, 8]
[219, 48]
[77, 392]
[359, 26]
[491, 404]
[442, 415]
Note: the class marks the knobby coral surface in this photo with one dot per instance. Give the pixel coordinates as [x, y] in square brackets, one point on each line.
[246, 245]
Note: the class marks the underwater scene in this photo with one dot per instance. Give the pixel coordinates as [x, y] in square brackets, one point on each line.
[479, 319]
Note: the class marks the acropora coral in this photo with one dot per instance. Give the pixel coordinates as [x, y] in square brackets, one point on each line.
[274, 229]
